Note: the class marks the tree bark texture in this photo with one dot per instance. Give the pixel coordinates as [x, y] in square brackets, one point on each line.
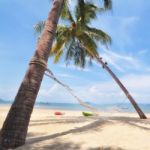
[14, 130]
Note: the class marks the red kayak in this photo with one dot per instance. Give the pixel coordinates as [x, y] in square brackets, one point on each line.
[58, 113]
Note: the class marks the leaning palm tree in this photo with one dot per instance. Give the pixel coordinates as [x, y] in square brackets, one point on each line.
[77, 41]
[14, 130]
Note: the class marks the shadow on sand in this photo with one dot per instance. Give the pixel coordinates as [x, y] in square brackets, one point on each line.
[72, 146]
[134, 122]
[59, 145]
[92, 126]
[96, 125]
[60, 120]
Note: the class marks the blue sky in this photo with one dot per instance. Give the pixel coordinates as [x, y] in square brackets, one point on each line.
[128, 56]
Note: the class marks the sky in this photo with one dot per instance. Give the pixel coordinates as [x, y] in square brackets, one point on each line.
[128, 56]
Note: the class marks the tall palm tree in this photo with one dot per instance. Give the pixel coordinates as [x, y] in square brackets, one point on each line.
[14, 130]
[78, 42]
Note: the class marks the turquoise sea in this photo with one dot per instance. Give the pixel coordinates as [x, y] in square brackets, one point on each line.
[126, 107]
[122, 107]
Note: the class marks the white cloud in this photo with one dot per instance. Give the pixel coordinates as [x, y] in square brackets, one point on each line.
[113, 62]
[109, 91]
[143, 51]
[121, 62]
[125, 62]
[54, 93]
[98, 92]
[137, 82]
[73, 67]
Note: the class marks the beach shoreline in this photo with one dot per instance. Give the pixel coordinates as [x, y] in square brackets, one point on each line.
[72, 131]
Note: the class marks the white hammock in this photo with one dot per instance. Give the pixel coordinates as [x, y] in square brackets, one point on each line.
[50, 74]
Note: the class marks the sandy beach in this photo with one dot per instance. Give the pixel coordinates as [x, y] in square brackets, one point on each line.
[72, 131]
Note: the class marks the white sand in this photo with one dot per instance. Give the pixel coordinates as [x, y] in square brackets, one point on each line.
[109, 131]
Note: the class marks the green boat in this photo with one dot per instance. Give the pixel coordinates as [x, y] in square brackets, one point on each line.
[87, 114]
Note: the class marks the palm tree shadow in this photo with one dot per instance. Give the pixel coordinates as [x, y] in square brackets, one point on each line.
[91, 126]
[62, 120]
[97, 125]
[106, 148]
[72, 146]
[32, 134]
[61, 145]
[134, 122]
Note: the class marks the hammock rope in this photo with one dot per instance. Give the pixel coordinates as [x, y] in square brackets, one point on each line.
[50, 74]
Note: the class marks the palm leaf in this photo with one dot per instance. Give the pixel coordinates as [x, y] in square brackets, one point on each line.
[80, 11]
[99, 35]
[70, 49]
[78, 42]
[66, 13]
[57, 46]
[108, 4]
[88, 43]
[86, 12]
[63, 32]
[63, 35]
[58, 55]
[76, 53]
[38, 28]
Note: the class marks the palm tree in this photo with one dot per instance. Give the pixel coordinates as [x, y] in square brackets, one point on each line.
[14, 130]
[78, 42]
[71, 38]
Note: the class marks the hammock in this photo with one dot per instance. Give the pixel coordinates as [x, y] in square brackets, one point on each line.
[50, 74]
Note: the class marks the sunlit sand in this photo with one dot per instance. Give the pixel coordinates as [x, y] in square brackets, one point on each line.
[72, 131]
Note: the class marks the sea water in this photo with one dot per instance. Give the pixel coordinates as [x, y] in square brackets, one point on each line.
[126, 107]
[120, 107]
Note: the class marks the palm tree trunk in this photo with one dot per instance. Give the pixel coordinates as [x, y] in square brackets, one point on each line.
[14, 130]
[131, 99]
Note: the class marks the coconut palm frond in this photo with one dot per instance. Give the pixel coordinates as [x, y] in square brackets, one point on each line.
[108, 4]
[99, 35]
[63, 32]
[80, 9]
[59, 44]
[57, 56]
[80, 55]
[85, 13]
[79, 59]
[63, 35]
[76, 53]
[70, 50]
[66, 13]
[88, 43]
[38, 28]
